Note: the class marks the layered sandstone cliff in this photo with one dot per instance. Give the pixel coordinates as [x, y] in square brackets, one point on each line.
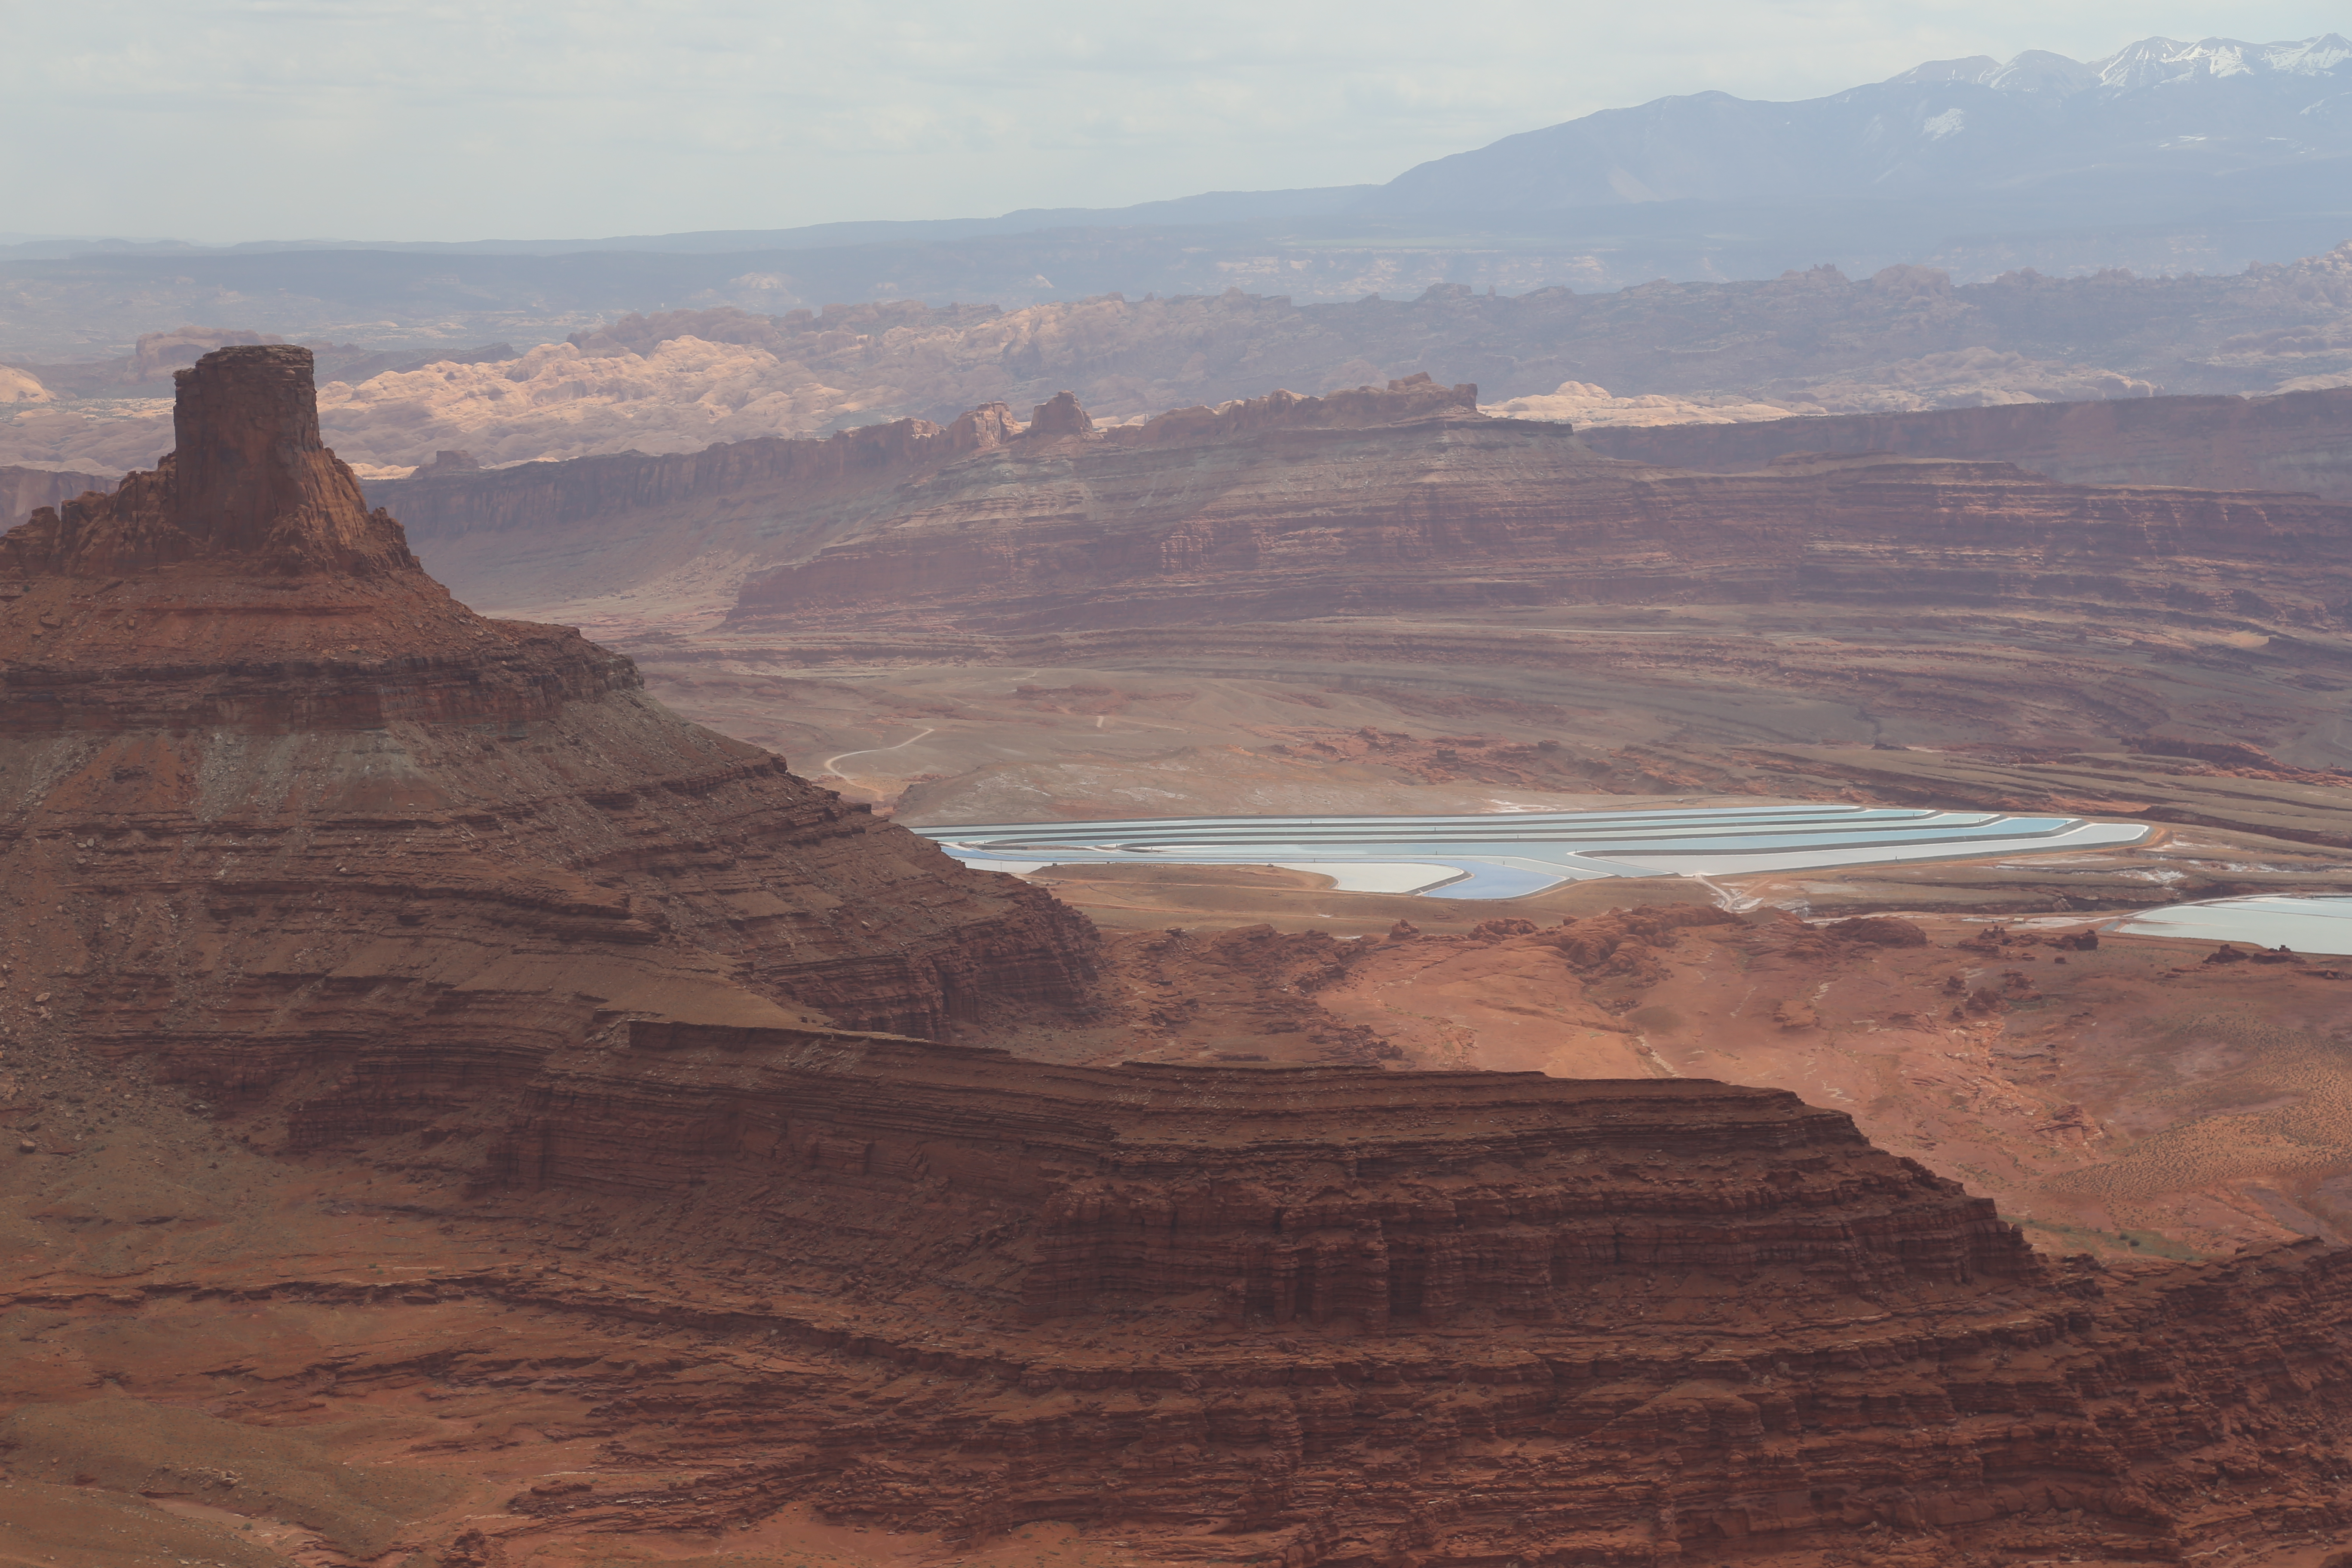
[1324, 1195]
[1226, 1314]
[1381, 500]
[2294, 441]
[558, 497]
[1203, 518]
[278, 721]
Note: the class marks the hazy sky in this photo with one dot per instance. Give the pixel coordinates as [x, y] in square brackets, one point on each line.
[222, 120]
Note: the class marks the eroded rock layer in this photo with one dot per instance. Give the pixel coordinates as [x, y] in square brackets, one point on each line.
[1388, 561]
[2293, 441]
[1381, 503]
[1232, 1314]
[232, 700]
[1343, 1315]
[1320, 1194]
[1270, 511]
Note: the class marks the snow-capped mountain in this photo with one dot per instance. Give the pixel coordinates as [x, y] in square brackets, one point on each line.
[2195, 115]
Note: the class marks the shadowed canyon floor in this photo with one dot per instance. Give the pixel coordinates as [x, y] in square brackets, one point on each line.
[466, 1116]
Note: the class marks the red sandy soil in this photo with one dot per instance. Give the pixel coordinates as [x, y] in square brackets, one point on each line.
[2127, 1097]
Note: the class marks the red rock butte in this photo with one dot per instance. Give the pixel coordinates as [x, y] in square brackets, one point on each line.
[416, 897]
[236, 685]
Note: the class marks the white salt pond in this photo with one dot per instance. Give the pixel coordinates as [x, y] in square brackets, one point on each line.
[1510, 855]
[2319, 925]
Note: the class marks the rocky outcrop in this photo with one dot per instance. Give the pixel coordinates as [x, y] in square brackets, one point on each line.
[275, 721]
[2294, 441]
[1060, 415]
[1342, 1314]
[442, 504]
[1663, 1442]
[248, 486]
[1405, 400]
[245, 585]
[1329, 1312]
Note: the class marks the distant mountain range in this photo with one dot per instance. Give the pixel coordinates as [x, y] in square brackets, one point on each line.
[2158, 118]
[2163, 157]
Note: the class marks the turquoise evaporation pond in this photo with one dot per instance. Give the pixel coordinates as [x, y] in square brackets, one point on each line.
[1507, 855]
[2322, 925]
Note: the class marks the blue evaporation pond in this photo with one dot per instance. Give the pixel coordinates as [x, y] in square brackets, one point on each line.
[1490, 881]
[2322, 925]
[1510, 854]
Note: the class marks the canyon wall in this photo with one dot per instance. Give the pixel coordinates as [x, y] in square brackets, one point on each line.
[1414, 502]
[2294, 441]
[1329, 1313]
[1387, 557]
[552, 496]
[24, 489]
[1291, 518]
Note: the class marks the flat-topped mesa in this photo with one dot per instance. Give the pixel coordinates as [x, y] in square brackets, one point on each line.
[1311, 1196]
[247, 488]
[1411, 400]
[1060, 415]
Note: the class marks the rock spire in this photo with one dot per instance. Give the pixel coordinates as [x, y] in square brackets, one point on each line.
[249, 488]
